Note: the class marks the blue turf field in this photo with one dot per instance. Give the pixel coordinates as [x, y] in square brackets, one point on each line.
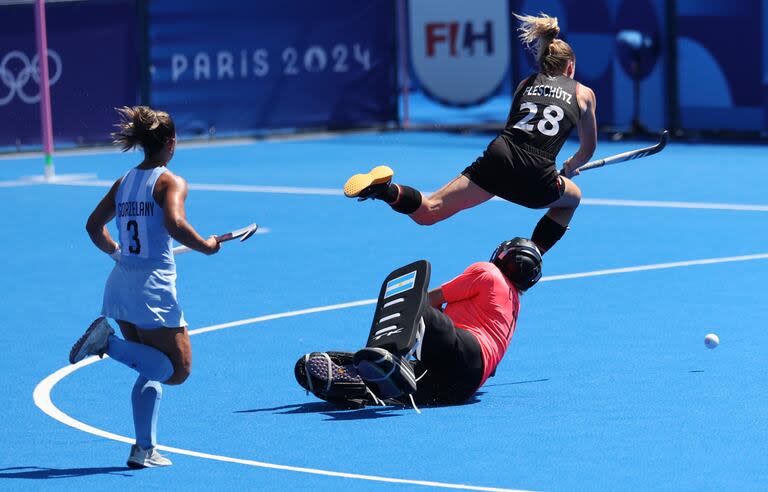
[607, 384]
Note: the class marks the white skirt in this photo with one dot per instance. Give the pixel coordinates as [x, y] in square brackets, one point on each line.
[143, 294]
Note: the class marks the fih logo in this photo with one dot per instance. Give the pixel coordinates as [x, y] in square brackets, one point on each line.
[459, 50]
[442, 32]
[20, 75]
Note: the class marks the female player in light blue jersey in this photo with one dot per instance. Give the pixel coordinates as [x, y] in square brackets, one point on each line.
[148, 207]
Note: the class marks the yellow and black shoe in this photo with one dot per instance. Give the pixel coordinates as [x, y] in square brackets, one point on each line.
[369, 185]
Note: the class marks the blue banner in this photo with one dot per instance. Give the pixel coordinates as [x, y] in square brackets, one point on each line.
[720, 58]
[616, 44]
[241, 66]
[92, 68]
[765, 66]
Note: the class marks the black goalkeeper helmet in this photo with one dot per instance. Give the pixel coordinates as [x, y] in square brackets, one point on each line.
[520, 261]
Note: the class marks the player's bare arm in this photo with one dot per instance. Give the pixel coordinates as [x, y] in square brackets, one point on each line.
[587, 128]
[171, 193]
[100, 217]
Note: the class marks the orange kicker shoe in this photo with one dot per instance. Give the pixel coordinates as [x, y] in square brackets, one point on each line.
[369, 185]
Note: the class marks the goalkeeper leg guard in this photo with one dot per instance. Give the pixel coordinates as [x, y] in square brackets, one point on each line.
[396, 332]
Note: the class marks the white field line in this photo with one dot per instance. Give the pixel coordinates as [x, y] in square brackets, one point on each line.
[16, 183]
[58, 178]
[288, 314]
[196, 144]
[657, 266]
[294, 190]
[665, 204]
[42, 392]
[42, 397]
[288, 190]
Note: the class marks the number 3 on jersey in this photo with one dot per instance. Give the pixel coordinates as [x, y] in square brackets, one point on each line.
[135, 246]
[549, 124]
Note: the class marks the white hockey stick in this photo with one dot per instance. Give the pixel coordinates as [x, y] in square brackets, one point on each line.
[241, 234]
[627, 156]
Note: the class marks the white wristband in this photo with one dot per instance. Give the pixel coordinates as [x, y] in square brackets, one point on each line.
[115, 255]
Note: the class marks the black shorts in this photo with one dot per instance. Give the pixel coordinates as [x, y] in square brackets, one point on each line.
[518, 173]
[452, 359]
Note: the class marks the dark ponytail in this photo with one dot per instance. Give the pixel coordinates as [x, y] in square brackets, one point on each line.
[143, 126]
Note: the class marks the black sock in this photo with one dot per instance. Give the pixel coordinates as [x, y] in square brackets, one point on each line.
[390, 194]
[547, 233]
[407, 201]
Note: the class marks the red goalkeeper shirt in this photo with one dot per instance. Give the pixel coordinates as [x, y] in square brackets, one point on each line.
[482, 301]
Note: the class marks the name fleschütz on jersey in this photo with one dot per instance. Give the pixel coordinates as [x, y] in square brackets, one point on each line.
[544, 90]
[135, 209]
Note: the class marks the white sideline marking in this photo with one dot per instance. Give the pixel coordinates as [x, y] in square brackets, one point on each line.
[58, 178]
[287, 314]
[289, 190]
[104, 183]
[663, 204]
[11, 184]
[294, 190]
[42, 392]
[198, 143]
[657, 266]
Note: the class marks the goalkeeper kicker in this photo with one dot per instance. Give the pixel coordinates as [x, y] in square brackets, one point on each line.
[433, 347]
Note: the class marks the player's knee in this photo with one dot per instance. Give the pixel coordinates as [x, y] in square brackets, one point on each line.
[180, 374]
[178, 377]
[574, 194]
[426, 219]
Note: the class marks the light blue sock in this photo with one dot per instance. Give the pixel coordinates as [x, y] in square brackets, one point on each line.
[147, 361]
[145, 397]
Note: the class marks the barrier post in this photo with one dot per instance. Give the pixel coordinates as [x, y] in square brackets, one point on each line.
[45, 90]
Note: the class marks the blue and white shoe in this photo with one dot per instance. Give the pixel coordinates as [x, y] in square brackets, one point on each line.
[93, 342]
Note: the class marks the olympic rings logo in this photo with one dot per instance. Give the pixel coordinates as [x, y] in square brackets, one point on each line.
[19, 74]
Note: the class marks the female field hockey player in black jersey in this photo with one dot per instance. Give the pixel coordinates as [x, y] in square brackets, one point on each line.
[519, 164]
[148, 207]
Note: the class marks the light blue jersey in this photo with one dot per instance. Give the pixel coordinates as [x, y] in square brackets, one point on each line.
[142, 286]
[139, 218]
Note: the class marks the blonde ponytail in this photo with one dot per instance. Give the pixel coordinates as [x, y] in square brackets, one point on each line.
[143, 126]
[539, 35]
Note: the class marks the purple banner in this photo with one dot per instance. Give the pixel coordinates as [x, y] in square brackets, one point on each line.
[93, 67]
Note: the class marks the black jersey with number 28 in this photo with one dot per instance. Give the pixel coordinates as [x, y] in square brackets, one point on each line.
[544, 112]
